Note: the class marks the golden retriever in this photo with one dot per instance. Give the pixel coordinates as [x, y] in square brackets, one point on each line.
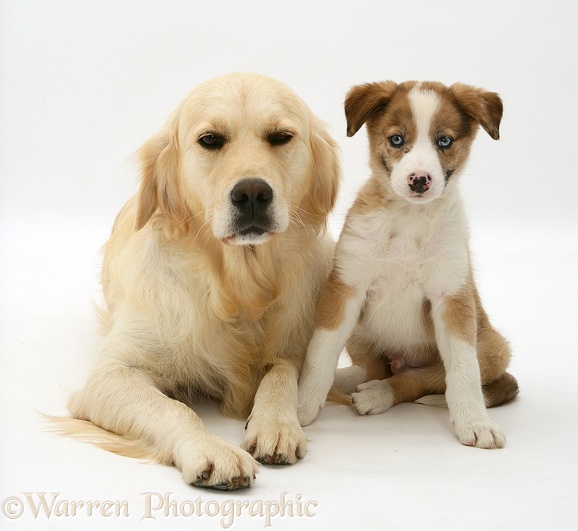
[211, 278]
[402, 292]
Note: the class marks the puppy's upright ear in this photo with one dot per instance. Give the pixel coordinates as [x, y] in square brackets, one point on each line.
[484, 107]
[363, 100]
[325, 175]
[160, 181]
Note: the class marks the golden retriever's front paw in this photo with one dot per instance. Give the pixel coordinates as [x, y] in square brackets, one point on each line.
[218, 465]
[372, 397]
[274, 441]
[482, 433]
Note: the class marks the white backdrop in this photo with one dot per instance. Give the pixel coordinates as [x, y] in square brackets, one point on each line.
[84, 84]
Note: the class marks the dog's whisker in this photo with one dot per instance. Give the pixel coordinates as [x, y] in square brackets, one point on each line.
[201, 230]
[295, 208]
[193, 217]
[293, 215]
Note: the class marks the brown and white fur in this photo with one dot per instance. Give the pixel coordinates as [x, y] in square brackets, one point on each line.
[402, 293]
[211, 278]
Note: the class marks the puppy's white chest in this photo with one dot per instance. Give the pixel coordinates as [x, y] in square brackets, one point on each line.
[403, 251]
[395, 299]
[403, 261]
[408, 260]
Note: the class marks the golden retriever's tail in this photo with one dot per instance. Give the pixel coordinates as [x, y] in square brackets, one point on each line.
[86, 431]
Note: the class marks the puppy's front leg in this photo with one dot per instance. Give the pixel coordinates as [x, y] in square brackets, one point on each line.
[456, 331]
[273, 434]
[337, 315]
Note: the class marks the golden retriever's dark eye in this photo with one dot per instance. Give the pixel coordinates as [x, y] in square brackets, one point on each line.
[211, 141]
[279, 139]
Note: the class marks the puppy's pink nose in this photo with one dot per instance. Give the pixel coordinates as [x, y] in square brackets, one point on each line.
[419, 182]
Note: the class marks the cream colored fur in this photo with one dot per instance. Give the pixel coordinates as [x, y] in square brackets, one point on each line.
[192, 307]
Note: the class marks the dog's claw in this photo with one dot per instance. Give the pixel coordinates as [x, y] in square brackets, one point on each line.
[276, 459]
[237, 483]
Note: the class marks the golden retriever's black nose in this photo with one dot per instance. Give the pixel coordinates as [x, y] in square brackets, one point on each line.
[251, 197]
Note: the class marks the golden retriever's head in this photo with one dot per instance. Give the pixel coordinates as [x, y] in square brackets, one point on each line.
[244, 156]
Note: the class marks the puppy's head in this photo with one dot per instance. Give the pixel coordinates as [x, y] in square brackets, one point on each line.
[420, 134]
[243, 156]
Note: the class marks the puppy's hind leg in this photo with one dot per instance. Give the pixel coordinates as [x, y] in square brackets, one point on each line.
[347, 379]
[377, 396]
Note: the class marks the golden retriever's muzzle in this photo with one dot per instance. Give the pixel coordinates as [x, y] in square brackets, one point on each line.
[251, 200]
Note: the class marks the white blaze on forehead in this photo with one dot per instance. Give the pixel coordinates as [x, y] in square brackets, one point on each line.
[422, 155]
[424, 104]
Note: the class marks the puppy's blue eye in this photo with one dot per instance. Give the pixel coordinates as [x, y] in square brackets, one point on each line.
[211, 141]
[445, 142]
[397, 141]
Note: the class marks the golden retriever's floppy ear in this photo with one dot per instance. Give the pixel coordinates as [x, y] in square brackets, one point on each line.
[363, 100]
[484, 107]
[159, 187]
[325, 175]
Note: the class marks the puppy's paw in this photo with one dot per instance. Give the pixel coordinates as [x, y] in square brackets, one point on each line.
[274, 441]
[373, 397]
[311, 402]
[216, 464]
[481, 433]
